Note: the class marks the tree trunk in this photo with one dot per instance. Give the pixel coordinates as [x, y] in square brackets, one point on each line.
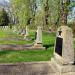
[46, 12]
[63, 12]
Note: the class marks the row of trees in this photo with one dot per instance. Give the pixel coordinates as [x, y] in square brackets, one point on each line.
[36, 12]
[41, 12]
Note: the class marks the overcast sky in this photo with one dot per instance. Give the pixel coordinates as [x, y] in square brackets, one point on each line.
[4, 0]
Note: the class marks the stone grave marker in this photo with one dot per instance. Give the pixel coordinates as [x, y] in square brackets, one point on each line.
[23, 32]
[20, 31]
[38, 41]
[26, 32]
[3, 27]
[35, 35]
[64, 52]
[64, 45]
[14, 29]
[0, 27]
[6, 27]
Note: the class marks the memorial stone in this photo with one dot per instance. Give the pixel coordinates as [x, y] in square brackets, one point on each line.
[64, 52]
[26, 32]
[38, 41]
[64, 45]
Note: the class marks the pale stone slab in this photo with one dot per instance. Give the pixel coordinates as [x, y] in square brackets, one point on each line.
[67, 45]
[64, 54]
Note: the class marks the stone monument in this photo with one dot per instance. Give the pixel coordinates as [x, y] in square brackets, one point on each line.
[64, 52]
[26, 32]
[38, 41]
[6, 27]
[14, 29]
[23, 32]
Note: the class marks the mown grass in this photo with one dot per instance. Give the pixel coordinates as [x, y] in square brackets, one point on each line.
[7, 35]
[47, 38]
[26, 56]
[30, 55]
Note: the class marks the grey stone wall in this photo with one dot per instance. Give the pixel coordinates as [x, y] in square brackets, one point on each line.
[30, 68]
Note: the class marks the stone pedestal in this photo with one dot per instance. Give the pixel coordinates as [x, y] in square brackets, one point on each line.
[64, 52]
[62, 69]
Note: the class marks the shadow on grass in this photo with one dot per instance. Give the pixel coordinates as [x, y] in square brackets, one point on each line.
[33, 39]
[48, 46]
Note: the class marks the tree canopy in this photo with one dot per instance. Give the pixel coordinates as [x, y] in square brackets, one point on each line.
[40, 12]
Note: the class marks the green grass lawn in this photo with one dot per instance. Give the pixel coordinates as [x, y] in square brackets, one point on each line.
[47, 38]
[10, 35]
[27, 56]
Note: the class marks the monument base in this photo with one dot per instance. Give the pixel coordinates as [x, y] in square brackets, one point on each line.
[39, 45]
[63, 69]
[25, 36]
[60, 60]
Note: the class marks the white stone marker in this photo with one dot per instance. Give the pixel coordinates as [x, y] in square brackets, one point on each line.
[14, 29]
[23, 32]
[38, 41]
[6, 27]
[26, 32]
